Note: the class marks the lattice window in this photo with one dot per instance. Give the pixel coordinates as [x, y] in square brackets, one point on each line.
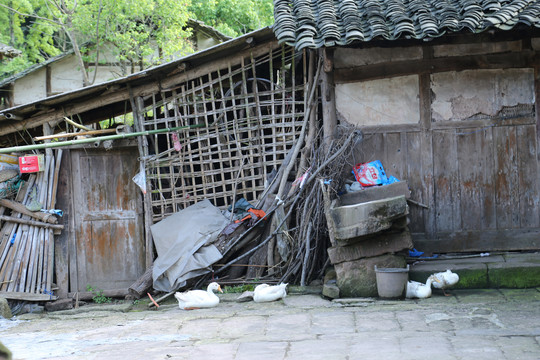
[250, 113]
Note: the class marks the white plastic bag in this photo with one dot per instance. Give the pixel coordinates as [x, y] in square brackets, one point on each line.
[140, 180]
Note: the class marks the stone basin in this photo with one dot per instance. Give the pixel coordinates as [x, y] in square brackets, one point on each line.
[356, 222]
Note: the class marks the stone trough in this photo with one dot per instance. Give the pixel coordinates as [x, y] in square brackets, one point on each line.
[368, 228]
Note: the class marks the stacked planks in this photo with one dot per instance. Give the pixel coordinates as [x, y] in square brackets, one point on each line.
[27, 245]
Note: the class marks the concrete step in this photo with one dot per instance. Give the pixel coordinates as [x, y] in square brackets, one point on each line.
[501, 270]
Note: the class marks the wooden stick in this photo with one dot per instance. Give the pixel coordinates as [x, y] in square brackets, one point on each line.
[306, 255]
[300, 140]
[31, 222]
[52, 203]
[161, 298]
[82, 133]
[20, 208]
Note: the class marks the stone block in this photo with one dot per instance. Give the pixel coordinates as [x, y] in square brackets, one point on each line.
[350, 222]
[330, 291]
[383, 243]
[357, 278]
[376, 193]
[58, 305]
[514, 275]
[5, 311]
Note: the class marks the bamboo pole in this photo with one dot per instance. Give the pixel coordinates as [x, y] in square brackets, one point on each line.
[82, 133]
[93, 140]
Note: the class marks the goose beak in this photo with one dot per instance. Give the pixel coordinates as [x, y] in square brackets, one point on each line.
[219, 289]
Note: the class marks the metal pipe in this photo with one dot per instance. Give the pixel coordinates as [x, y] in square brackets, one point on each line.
[11, 116]
[95, 139]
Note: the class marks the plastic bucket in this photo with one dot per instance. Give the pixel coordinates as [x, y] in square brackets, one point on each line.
[392, 282]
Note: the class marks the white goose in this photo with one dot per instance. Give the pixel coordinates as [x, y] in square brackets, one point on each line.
[419, 290]
[265, 292]
[195, 299]
[445, 280]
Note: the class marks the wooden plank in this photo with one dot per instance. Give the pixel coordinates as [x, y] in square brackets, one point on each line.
[32, 264]
[417, 179]
[487, 177]
[142, 144]
[446, 181]
[31, 222]
[74, 241]
[528, 177]
[393, 160]
[506, 183]
[523, 59]
[61, 249]
[479, 241]
[537, 112]
[469, 186]
[23, 296]
[9, 234]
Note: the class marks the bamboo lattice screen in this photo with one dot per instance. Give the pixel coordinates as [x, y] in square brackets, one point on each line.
[250, 113]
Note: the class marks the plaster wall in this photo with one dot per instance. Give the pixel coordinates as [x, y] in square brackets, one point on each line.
[344, 57]
[204, 41]
[65, 75]
[390, 101]
[30, 87]
[462, 95]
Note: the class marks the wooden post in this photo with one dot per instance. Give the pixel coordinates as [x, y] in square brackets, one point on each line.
[426, 146]
[537, 107]
[138, 108]
[328, 96]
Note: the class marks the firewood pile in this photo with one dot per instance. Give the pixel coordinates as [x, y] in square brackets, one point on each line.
[27, 235]
[290, 244]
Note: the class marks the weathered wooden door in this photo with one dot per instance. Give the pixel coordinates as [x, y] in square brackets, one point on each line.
[108, 220]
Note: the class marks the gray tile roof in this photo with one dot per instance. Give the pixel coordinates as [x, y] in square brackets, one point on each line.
[318, 23]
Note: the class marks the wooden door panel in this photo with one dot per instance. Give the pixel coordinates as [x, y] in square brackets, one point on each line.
[108, 220]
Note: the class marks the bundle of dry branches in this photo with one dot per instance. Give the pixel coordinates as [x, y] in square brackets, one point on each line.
[292, 246]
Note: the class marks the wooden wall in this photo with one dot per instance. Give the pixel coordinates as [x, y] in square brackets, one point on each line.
[459, 122]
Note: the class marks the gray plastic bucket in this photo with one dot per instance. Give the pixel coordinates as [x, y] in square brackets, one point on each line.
[392, 282]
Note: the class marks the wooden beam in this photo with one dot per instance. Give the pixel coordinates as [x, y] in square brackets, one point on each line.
[478, 241]
[26, 296]
[537, 108]
[86, 295]
[328, 96]
[526, 58]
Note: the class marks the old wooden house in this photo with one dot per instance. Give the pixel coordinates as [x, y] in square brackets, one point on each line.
[216, 123]
[62, 73]
[445, 95]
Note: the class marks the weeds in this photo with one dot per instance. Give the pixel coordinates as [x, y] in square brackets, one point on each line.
[98, 298]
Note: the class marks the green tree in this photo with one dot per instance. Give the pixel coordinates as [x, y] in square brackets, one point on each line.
[144, 32]
[34, 36]
[234, 17]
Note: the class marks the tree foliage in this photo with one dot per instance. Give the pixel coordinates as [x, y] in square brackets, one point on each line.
[234, 17]
[142, 33]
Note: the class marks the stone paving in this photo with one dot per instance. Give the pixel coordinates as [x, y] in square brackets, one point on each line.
[470, 324]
